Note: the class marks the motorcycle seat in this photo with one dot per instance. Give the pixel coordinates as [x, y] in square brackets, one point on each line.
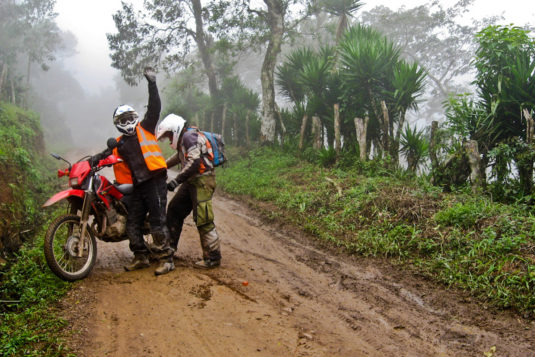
[125, 188]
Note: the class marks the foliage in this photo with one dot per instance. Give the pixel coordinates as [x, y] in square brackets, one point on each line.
[505, 64]
[24, 182]
[29, 325]
[432, 36]
[415, 147]
[465, 242]
[29, 33]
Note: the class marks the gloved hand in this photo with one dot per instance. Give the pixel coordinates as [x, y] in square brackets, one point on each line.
[171, 185]
[150, 74]
[93, 160]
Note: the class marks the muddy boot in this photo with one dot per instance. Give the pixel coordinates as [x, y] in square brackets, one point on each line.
[207, 264]
[140, 261]
[165, 267]
[211, 253]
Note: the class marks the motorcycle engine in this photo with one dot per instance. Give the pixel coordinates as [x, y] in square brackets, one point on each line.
[116, 226]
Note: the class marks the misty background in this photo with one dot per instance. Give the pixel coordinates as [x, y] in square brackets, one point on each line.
[76, 96]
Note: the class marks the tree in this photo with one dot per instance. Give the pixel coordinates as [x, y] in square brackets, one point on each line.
[275, 18]
[368, 60]
[242, 103]
[432, 36]
[505, 64]
[270, 24]
[290, 86]
[166, 34]
[408, 84]
[26, 28]
[343, 9]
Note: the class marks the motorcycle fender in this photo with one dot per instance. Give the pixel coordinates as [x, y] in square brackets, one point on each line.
[64, 194]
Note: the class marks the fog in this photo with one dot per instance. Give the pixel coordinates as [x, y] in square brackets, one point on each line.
[77, 95]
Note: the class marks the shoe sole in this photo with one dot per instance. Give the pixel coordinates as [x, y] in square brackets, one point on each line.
[163, 273]
[137, 268]
[205, 267]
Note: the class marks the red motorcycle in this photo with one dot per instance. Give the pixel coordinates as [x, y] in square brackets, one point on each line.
[97, 209]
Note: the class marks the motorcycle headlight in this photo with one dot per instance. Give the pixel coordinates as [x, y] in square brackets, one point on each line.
[73, 181]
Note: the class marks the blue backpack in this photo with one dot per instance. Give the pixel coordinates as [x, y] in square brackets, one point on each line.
[218, 147]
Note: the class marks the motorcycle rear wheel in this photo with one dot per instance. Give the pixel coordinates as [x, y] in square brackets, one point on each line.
[61, 248]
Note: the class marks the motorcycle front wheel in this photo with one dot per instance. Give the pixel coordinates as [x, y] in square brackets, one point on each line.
[62, 246]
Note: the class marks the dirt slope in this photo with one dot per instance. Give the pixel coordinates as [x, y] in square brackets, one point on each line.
[299, 301]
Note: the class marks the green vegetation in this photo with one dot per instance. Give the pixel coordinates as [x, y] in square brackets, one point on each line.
[24, 179]
[28, 290]
[463, 241]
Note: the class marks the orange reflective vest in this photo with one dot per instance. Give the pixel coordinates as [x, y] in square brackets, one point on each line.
[151, 153]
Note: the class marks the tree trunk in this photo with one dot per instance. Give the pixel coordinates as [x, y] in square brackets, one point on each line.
[530, 126]
[283, 127]
[212, 121]
[247, 139]
[235, 133]
[316, 132]
[223, 120]
[394, 151]
[13, 94]
[361, 128]
[433, 146]
[526, 168]
[204, 43]
[386, 126]
[337, 140]
[3, 78]
[275, 19]
[472, 152]
[342, 24]
[302, 132]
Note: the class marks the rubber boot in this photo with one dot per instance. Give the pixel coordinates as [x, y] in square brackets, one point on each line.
[140, 261]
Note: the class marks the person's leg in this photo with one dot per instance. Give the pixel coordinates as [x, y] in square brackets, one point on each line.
[134, 221]
[204, 219]
[155, 197]
[179, 208]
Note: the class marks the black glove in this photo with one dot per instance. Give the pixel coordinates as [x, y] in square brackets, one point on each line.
[150, 74]
[93, 160]
[171, 185]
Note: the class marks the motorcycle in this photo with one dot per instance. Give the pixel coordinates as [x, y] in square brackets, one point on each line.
[97, 209]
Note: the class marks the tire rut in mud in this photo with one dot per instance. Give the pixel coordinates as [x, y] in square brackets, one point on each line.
[281, 293]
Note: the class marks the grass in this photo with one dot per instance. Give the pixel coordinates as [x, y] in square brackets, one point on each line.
[29, 323]
[456, 239]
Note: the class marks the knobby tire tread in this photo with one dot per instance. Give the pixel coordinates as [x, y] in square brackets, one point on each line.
[49, 253]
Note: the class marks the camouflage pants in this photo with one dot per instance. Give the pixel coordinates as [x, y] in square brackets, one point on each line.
[195, 195]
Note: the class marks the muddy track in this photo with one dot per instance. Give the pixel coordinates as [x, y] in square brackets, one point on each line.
[278, 293]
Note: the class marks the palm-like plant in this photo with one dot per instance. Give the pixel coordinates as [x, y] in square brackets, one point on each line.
[303, 78]
[288, 73]
[368, 60]
[343, 9]
[415, 147]
[408, 84]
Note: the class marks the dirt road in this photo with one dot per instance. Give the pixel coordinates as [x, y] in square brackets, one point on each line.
[278, 293]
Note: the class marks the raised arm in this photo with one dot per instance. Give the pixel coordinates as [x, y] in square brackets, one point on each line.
[152, 115]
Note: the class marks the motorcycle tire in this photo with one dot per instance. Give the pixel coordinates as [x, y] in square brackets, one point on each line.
[61, 248]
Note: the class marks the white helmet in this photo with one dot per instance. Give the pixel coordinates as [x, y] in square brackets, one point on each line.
[171, 124]
[125, 119]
